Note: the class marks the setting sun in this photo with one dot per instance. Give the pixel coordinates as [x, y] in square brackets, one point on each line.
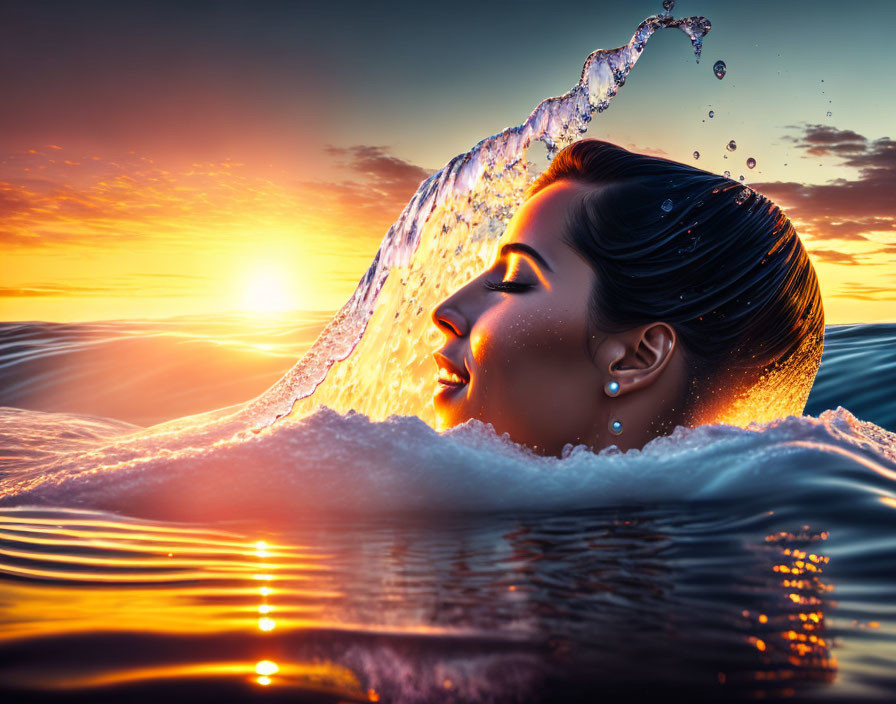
[268, 290]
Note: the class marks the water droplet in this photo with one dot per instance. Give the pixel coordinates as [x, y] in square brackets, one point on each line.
[668, 5]
[719, 68]
[741, 177]
[727, 174]
[667, 205]
[712, 113]
[732, 145]
[751, 163]
[696, 155]
[829, 113]
[740, 198]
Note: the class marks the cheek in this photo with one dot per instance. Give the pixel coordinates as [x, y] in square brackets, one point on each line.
[532, 364]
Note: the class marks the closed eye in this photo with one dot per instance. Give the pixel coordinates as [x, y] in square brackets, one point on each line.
[508, 286]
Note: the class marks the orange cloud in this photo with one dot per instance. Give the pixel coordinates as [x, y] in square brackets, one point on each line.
[843, 209]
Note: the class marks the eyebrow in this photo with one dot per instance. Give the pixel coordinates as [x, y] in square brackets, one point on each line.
[527, 250]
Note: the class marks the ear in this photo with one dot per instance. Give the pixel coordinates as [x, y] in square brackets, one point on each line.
[636, 358]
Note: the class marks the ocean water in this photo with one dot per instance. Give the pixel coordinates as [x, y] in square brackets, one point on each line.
[321, 542]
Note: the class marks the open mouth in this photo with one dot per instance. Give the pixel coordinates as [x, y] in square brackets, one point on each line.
[451, 375]
[447, 378]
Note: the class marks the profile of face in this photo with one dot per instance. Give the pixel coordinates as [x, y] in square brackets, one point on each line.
[517, 352]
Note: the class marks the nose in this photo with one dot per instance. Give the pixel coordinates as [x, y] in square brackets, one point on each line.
[449, 318]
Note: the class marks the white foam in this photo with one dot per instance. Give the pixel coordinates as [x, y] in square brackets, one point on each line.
[332, 462]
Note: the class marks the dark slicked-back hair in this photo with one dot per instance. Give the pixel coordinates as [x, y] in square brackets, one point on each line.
[714, 259]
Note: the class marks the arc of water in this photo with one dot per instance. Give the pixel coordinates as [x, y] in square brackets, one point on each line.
[556, 121]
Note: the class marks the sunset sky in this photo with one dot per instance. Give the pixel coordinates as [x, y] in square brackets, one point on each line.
[199, 157]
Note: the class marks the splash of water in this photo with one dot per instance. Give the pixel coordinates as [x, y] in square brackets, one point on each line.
[444, 236]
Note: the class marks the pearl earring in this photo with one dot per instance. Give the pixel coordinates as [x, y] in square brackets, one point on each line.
[616, 427]
[612, 388]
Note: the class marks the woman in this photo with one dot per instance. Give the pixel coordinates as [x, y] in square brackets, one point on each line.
[631, 294]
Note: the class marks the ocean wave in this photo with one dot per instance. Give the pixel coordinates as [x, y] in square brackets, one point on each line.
[329, 462]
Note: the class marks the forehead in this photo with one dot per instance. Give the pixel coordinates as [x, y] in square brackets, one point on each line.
[541, 221]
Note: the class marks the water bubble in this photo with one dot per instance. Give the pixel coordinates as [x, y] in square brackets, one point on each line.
[751, 163]
[732, 145]
[667, 205]
[727, 174]
[712, 113]
[719, 68]
[696, 155]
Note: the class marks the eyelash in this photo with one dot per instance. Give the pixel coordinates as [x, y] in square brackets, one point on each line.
[508, 286]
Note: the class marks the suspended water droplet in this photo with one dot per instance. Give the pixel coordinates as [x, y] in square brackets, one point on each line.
[667, 205]
[668, 5]
[712, 113]
[727, 174]
[732, 145]
[829, 113]
[741, 177]
[696, 155]
[751, 163]
[720, 69]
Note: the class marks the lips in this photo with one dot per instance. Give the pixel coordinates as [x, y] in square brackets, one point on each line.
[452, 374]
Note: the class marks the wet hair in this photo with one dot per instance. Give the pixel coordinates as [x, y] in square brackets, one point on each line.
[716, 260]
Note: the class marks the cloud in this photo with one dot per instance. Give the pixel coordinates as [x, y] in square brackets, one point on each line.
[50, 291]
[386, 183]
[842, 209]
[88, 202]
[833, 256]
[865, 292]
[379, 166]
[162, 286]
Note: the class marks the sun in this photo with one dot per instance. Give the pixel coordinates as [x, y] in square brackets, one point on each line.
[268, 290]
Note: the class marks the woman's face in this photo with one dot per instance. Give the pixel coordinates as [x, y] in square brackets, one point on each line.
[516, 348]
